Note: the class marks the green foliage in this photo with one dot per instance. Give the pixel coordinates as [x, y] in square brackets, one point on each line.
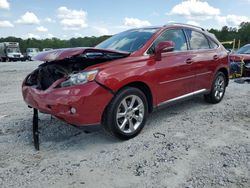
[225, 34]
[55, 42]
[229, 33]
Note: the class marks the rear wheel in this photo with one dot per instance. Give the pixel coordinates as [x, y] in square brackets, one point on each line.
[126, 114]
[218, 89]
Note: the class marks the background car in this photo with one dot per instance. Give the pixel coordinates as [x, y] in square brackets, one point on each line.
[31, 52]
[240, 61]
[47, 49]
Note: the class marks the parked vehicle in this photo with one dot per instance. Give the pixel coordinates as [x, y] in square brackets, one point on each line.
[47, 49]
[10, 51]
[240, 62]
[123, 79]
[31, 52]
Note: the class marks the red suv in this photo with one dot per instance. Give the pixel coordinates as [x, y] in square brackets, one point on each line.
[123, 79]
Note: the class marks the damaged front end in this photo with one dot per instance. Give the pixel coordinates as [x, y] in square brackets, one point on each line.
[69, 64]
[47, 89]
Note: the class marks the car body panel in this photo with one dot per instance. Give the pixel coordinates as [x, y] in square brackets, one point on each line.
[174, 75]
[86, 99]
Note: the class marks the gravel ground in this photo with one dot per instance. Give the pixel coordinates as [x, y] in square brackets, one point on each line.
[191, 144]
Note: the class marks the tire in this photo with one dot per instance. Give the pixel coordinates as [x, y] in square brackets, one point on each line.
[218, 89]
[123, 119]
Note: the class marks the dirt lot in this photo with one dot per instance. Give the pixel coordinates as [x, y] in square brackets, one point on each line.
[192, 144]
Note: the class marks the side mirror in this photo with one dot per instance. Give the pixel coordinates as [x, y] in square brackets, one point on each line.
[162, 47]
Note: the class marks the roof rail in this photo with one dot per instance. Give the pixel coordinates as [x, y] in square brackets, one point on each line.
[183, 24]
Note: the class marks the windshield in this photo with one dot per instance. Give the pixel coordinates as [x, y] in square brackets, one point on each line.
[32, 50]
[244, 50]
[13, 50]
[128, 41]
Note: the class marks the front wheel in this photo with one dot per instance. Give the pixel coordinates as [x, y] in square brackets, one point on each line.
[218, 89]
[126, 114]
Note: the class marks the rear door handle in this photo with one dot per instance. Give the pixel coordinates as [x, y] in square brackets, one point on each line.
[216, 57]
[189, 61]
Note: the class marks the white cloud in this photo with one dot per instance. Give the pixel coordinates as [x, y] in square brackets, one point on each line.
[102, 30]
[28, 18]
[135, 22]
[42, 29]
[4, 4]
[31, 35]
[198, 13]
[231, 20]
[49, 20]
[5, 23]
[194, 9]
[72, 19]
[193, 23]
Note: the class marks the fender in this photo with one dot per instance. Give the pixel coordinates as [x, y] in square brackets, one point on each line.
[114, 79]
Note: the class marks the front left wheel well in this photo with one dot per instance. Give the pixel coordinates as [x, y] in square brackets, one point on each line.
[146, 90]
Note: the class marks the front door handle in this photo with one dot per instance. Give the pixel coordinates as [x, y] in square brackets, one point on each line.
[216, 57]
[189, 61]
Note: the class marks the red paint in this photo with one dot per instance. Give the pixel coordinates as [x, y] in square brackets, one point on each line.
[60, 54]
[175, 74]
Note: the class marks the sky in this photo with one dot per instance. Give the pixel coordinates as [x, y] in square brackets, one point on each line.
[65, 19]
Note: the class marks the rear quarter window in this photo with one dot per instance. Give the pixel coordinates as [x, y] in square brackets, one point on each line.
[213, 45]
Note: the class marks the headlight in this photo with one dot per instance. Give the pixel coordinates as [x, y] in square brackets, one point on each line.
[80, 78]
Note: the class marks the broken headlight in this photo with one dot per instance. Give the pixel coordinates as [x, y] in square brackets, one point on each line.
[80, 78]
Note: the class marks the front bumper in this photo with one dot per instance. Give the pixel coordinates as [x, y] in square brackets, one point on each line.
[16, 58]
[89, 100]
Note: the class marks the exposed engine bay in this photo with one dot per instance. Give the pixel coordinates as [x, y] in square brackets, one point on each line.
[49, 72]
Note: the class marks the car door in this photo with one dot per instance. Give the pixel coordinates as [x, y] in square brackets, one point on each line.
[204, 58]
[175, 77]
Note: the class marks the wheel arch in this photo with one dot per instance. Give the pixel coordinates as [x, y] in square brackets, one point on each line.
[141, 86]
[145, 89]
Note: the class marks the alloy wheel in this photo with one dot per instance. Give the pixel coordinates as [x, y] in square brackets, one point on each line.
[219, 87]
[130, 114]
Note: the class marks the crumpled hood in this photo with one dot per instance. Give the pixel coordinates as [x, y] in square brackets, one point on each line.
[60, 54]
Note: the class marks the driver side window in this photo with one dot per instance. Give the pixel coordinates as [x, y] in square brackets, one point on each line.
[175, 35]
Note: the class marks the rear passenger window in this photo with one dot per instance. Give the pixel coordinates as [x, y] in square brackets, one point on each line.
[175, 35]
[213, 44]
[197, 40]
